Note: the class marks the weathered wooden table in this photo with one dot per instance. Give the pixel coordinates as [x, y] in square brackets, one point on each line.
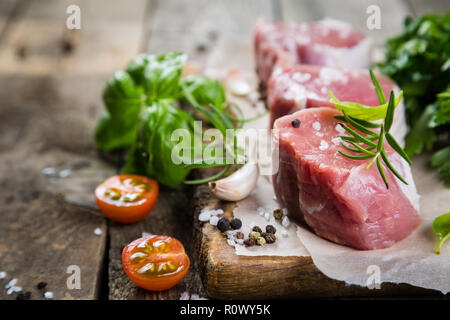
[50, 88]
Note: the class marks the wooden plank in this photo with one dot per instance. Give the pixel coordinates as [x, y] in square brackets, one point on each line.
[51, 101]
[421, 7]
[9, 10]
[197, 28]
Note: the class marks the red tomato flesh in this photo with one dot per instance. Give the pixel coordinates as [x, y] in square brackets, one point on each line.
[127, 198]
[155, 262]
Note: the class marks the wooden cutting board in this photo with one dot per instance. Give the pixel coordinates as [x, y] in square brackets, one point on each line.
[226, 275]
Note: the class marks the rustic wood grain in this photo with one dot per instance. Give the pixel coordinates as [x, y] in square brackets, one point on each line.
[51, 80]
[50, 103]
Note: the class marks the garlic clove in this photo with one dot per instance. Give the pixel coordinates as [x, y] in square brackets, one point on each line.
[238, 185]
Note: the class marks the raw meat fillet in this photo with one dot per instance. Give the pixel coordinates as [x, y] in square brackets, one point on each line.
[306, 86]
[336, 196]
[327, 42]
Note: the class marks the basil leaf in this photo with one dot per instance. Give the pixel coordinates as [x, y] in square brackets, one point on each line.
[206, 91]
[161, 76]
[137, 65]
[441, 227]
[151, 154]
[122, 98]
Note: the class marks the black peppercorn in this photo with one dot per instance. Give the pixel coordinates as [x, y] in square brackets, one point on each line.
[24, 296]
[249, 242]
[270, 229]
[235, 224]
[223, 224]
[257, 229]
[296, 123]
[41, 285]
[269, 237]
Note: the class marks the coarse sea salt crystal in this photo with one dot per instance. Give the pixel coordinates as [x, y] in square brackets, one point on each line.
[267, 216]
[214, 220]
[216, 212]
[197, 297]
[231, 234]
[260, 211]
[98, 231]
[323, 145]
[2, 274]
[284, 233]
[285, 222]
[64, 173]
[340, 129]
[285, 211]
[48, 171]
[184, 296]
[319, 134]
[239, 241]
[204, 215]
[336, 141]
[231, 242]
[301, 77]
[11, 283]
[48, 295]
[316, 125]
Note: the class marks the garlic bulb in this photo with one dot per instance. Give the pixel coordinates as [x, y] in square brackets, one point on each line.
[238, 185]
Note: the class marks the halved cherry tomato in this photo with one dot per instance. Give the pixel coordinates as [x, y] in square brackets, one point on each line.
[155, 262]
[127, 198]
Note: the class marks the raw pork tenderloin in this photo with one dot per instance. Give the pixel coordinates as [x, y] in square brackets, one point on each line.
[306, 86]
[327, 42]
[337, 197]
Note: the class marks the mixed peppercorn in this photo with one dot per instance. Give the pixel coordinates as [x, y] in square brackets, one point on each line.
[256, 236]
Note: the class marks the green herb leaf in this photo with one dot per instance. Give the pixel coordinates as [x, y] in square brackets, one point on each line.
[389, 113]
[422, 135]
[441, 227]
[161, 76]
[378, 88]
[362, 125]
[396, 146]
[205, 91]
[441, 160]
[117, 128]
[152, 150]
[380, 169]
[360, 111]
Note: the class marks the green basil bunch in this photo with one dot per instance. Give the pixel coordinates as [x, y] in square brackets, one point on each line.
[142, 113]
[151, 153]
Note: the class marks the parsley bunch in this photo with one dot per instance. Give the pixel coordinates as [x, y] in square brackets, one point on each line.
[419, 61]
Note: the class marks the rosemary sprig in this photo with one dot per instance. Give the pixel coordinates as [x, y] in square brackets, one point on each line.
[364, 145]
